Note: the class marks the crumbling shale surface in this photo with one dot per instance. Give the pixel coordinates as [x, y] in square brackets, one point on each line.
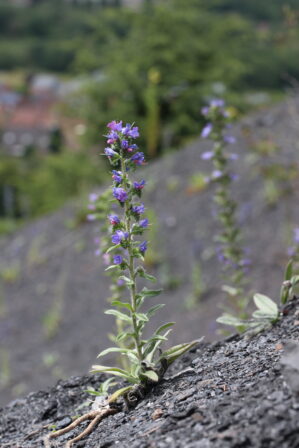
[235, 393]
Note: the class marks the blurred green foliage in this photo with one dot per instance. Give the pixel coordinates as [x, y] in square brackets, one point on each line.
[156, 64]
[42, 184]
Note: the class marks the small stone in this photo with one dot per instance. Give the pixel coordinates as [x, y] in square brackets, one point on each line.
[63, 423]
[278, 346]
[157, 414]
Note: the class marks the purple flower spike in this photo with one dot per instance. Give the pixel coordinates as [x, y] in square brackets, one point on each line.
[144, 223]
[119, 236]
[117, 176]
[206, 130]
[208, 155]
[115, 126]
[230, 139]
[120, 194]
[143, 247]
[114, 220]
[138, 158]
[109, 152]
[205, 110]
[139, 185]
[233, 156]
[91, 207]
[117, 259]
[91, 218]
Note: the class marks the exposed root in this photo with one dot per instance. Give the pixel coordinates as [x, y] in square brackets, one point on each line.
[94, 416]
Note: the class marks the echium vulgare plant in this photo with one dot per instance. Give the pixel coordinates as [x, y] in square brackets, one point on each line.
[229, 249]
[146, 362]
[128, 248]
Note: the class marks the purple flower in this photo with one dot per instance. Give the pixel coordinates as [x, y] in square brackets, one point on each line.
[119, 236]
[93, 197]
[134, 132]
[143, 247]
[138, 158]
[112, 137]
[230, 139]
[97, 252]
[120, 194]
[296, 235]
[132, 148]
[120, 282]
[233, 156]
[125, 130]
[207, 155]
[114, 219]
[138, 209]
[96, 240]
[117, 259]
[234, 177]
[205, 110]
[124, 144]
[117, 176]
[109, 152]
[144, 223]
[217, 102]
[139, 185]
[91, 217]
[91, 207]
[115, 126]
[206, 130]
[216, 174]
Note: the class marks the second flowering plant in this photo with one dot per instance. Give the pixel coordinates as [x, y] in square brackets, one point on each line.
[146, 362]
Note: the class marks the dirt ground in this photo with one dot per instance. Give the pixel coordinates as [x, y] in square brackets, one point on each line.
[53, 291]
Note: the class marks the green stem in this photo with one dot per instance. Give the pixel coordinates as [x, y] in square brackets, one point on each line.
[132, 277]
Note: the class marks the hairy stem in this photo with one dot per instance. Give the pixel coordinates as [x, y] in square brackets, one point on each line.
[131, 269]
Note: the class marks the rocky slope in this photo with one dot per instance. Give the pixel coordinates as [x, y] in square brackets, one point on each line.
[235, 393]
[53, 292]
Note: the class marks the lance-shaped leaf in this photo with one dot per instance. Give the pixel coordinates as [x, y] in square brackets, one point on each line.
[141, 316]
[120, 304]
[127, 280]
[153, 310]
[265, 304]
[118, 314]
[150, 292]
[118, 350]
[149, 374]
[111, 248]
[153, 344]
[228, 319]
[116, 372]
[143, 274]
[173, 353]
[295, 280]
[119, 393]
[258, 314]
[288, 271]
